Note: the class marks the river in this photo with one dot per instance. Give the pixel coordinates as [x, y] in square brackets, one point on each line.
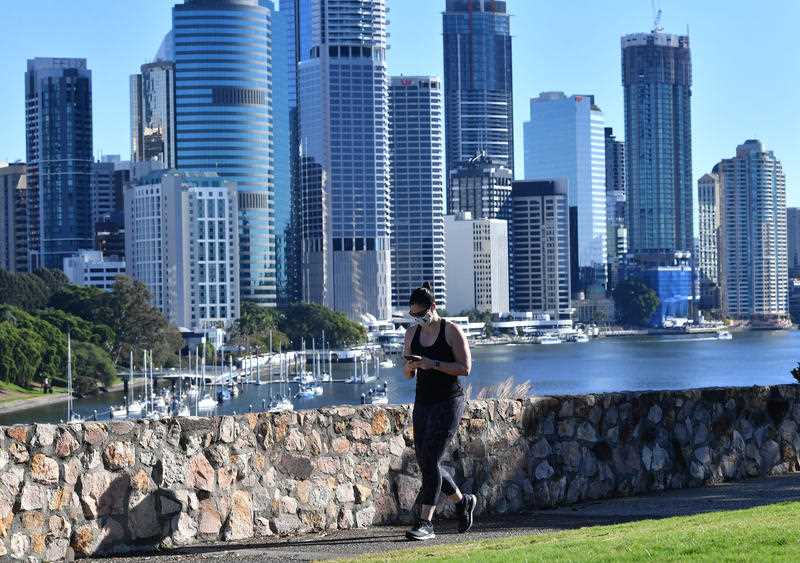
[613, 364]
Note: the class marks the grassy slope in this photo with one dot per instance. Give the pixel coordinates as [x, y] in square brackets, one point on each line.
[768, 533]
[10, 392]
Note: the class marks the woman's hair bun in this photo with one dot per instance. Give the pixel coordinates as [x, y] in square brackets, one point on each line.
[427, 285]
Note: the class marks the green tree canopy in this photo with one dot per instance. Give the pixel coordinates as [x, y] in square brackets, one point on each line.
[80, 329]
[26, 291]
[635, 302]
[304, 321]
[91, 367]
[254, 324]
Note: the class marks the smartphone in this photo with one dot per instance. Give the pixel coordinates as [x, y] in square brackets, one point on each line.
[412, 358]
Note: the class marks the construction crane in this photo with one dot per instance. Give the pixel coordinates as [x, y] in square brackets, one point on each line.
[656, 17]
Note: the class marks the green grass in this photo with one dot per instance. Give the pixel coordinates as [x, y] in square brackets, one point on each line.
[767, 533]
[11, 392]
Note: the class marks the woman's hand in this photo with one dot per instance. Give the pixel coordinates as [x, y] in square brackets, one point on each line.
[424, 363]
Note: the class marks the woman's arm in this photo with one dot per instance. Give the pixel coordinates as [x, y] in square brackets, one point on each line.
[408, 370]
[462, 363]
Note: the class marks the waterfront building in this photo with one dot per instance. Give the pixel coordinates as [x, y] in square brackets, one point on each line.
[152, 94]
[13, 183]
[58, 123]
[481, 187]
[224, 119]
[479, 113]
[617, 232]
[753, 247]
[476, 275]
[657, 80]
[793, 240]
[181, 241]
[565, 138]
[416, 146]
[670, 276]
[102, 192]
[344, 160]
[92, 268]
[540, 231]
[709, 216]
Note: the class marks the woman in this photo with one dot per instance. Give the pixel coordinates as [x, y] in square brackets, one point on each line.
[437, 354]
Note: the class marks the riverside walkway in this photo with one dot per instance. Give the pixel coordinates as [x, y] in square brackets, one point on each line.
[379, 539]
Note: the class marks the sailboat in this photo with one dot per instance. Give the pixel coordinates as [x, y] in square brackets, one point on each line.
[71, 416]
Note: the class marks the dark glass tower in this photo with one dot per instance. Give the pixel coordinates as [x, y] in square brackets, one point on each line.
[58, 121]
[224, 119]
[657, 80]
[479, 113]
[153, 114]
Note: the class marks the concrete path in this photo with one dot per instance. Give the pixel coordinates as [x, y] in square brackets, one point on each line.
[353, 543]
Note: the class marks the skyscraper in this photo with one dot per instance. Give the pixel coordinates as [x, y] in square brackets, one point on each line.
[481, 187]
[617, 242]
[58, 119]
[540, 233]
[12, 182]
[344, 159]
[224, 119]
[793, 240]
[102, 192]
[479, 113]
[565, 139]
[707, 259]
[153, 114]
[418, 245]
[753, 234]
[657, 80]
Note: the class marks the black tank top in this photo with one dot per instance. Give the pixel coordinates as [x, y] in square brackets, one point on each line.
[433, 385]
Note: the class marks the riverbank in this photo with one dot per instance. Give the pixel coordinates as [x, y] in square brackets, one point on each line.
[12, 405]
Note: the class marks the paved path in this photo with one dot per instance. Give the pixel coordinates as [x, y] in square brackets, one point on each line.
[353, 543]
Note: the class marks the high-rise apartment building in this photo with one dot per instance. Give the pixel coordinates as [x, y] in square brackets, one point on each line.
[479, 113]
[102, 192]
[793, 240]
[182, 242]
[540, 237]
[344, 159]
[657, 81]
[617, 243]
[58, 123]
[224, 119]
[153, 113]
[707, 258]
[477, 271]
[417, 149]
[565, 138]
[753, 248]
[481, 187]
[91, 268]
[12, 183]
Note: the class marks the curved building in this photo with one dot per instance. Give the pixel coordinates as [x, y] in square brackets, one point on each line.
[224, 119]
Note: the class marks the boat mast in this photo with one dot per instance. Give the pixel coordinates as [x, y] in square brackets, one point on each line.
[69, 378]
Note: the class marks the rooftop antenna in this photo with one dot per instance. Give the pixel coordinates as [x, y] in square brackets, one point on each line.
[656, 17]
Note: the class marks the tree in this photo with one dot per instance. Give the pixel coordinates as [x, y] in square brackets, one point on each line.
[476, 316]
[80, 329]
[23, 290]
[635, 302]
[54, 280]
[304, 321]
[254, 325]
[92, 366]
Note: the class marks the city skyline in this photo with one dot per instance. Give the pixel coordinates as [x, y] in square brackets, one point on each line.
[546, 59]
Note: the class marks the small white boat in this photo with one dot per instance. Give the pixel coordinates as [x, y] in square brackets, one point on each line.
[579, 338]
[191, 392]
[136, 407]
[549, 339]
[304, 377]
[380, 400]
[387, 363]
[183, 411]
[207, 403]
[119, 412]
[305, 393]
[724, 335]
[235, 390]
[317, 390]
[325, 377]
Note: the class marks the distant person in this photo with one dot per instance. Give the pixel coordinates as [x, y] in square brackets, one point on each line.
[46, 385]
[437, 353]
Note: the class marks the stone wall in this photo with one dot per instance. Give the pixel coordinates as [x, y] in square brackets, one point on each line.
[121, 486]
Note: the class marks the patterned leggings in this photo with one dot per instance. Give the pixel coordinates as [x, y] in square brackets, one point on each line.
[434, 427]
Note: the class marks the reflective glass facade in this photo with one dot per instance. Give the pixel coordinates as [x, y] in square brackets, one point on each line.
[224, 119]
[58, 119]
[344, 155]
[417, 148]
[565, 138]
[153, 114]
[479, 112]
[657, 80]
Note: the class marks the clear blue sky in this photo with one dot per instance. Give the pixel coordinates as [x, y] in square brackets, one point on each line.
[746, 62]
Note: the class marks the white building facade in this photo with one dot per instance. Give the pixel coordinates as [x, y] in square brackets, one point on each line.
[708, 211]
[753, 240]
[182, 242]
[91, 268]
[565, 138]
[477, 271]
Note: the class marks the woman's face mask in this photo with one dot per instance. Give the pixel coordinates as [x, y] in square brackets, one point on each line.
[422, 318]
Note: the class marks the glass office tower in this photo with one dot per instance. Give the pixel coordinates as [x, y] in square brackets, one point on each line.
[344, 159]
[153, 114]
[224, 119]
[479, 113]
[657, 81]
[58, 123]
